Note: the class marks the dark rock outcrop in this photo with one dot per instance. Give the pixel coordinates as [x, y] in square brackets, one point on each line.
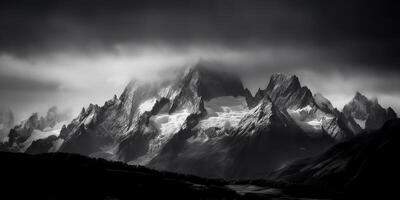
[41, 145]
[368, 113]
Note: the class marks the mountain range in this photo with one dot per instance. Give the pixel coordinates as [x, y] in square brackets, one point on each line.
[205, 122]
[30, 133]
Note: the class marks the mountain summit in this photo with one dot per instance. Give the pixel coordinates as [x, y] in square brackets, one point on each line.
[368, 113]
[205, 122]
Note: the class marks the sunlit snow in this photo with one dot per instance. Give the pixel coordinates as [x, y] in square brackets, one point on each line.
[316, 123]
[306, 109]
[224, 111]
[147, 105]
[309, 119]
[170, 124]
[88, 119]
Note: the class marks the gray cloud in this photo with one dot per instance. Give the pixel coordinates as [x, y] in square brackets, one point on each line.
[72, 53]
[355, 30]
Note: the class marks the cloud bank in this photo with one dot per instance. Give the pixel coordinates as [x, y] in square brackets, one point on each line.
[71, 53]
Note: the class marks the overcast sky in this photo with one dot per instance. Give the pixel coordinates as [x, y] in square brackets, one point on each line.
[72, 53]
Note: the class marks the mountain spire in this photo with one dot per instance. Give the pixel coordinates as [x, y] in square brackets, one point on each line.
[286, 91]
[368, 113]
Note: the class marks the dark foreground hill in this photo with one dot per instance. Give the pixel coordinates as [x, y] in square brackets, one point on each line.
[71, 176]
[365, 166]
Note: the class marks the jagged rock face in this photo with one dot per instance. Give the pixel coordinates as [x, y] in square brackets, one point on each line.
[287, 92]
[368, 114]
[313, 114]
[99, 127]
[359, 107]
[184, 108]
[129, 124]
[260, 117]
[21, 136]
[264, 138]
[23, 131]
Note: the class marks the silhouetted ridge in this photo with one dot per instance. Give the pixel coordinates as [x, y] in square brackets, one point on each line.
[364, 166]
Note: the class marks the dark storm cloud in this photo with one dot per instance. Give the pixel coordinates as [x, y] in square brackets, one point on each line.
[360, 31]
[72, 53]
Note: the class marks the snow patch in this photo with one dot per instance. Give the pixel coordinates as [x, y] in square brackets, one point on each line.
[360, 122]
[172, 123]
[316, 123]
[147, 105]
[306, 109]
[224, 112]
[88, 119]
[310, 119]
